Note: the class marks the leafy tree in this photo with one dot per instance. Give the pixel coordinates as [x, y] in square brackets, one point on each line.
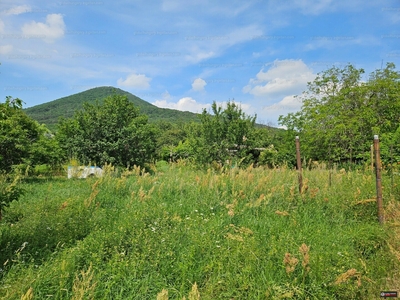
[340, 113]
[18, 133]
[170, 135]
[223, 134]
[113, 132]
[46, 150]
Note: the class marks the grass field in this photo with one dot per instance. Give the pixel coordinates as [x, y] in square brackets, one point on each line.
[217, 234]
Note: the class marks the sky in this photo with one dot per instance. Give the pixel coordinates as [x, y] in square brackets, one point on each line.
[186, 54]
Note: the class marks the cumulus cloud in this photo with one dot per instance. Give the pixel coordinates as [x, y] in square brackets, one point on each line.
[275, 87]
[284, 77]
[139, 81]
[198, 85]
[184, 104]
[190, 104]
[54, 28]
[17, 10]
[287, 104]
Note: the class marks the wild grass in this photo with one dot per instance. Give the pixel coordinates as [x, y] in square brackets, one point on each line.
[216, 234]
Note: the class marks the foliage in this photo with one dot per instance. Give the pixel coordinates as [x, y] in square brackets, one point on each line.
[10, 190]
[46, 150]
[113, 132]
[341, 113]
[18, 133]
[269, 157]
[23, 142]
[223, 135]
[237, 234]
[170, 138]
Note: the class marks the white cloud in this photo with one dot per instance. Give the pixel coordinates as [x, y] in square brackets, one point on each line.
[284, 77]
[1, 26]
[287, 104]
[198, 85]
[17, 10]
[184, 104]
[199, 55]
[54, 28]
[216, 44]
[6, 49]
[270, 113]
[139, 81]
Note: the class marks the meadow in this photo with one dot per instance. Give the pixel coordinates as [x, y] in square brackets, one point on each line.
[181, 233]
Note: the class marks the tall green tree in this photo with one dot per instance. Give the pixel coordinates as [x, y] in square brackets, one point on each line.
[341, 113]
[223, 134]
[18, 134]
[114, 132]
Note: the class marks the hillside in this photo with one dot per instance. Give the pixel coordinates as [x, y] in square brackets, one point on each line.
[49, 113]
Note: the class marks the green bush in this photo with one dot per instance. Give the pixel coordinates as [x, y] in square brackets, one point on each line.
[10, 190]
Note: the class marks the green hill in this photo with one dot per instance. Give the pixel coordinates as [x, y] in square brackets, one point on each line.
[49, 113]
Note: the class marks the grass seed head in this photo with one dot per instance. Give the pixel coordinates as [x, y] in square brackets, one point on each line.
[290, 262]
[344, 277]
[282, 213]
[28, 295]
[194, 293]
[83, 287]
[304, 250]
[163, 295]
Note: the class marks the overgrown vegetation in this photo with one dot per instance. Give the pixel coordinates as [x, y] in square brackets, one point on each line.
[114, 132]
[341, 114]
[223, 219]
[234, 233]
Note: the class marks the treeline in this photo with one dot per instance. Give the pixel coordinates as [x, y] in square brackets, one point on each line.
[337, 121]
[114, 132]
[341, 113]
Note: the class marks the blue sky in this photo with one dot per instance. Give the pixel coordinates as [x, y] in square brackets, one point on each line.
[185, 55]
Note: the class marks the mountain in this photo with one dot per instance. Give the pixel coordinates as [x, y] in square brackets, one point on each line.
[49, 113]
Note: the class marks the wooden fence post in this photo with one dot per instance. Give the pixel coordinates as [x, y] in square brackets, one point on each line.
[378, 168]
[299, 164]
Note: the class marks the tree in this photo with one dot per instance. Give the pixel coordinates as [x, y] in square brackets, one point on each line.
[113, 132]
[340, 113]
[224, 134]
[18, 133]
[170, 138]
[46, 150]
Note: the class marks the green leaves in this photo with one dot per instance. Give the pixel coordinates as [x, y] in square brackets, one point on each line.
[10, 190]
[113, 132]
[341, 112]
[18, 133]
[223, 134]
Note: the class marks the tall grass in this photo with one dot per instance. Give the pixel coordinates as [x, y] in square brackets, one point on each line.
[183, 233]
